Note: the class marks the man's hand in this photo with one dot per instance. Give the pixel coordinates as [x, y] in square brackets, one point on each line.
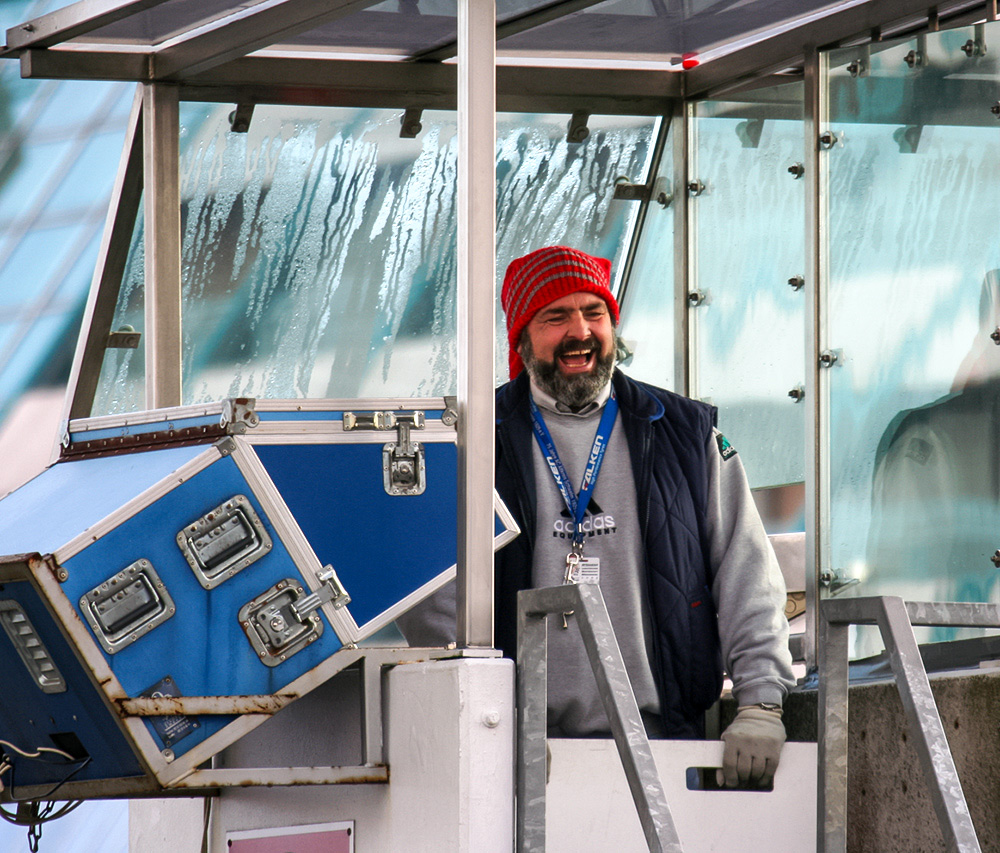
[753, 744]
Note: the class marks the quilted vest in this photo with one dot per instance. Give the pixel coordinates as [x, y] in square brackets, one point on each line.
[668, 439]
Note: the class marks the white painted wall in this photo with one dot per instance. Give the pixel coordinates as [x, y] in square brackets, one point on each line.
[449, 732]
[589, 807]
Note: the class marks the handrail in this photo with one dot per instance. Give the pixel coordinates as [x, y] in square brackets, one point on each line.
[895, 619]
[587, 604]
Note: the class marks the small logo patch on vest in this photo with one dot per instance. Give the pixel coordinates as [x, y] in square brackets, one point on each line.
[726, 450]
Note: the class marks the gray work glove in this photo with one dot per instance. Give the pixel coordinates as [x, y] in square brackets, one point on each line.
[753, 744]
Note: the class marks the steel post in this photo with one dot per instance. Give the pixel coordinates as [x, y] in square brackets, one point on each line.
[476, 330]
[532, 704]
[162, 206]
[831, 809]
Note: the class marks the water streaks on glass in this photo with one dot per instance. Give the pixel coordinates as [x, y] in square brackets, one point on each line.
[318, 252]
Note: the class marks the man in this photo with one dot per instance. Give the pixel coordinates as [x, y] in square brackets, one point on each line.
[663, 521]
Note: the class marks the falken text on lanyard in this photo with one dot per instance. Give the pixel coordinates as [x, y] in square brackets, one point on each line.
[575, 503]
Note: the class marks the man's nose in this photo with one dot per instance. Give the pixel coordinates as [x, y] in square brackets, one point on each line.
[578, 326]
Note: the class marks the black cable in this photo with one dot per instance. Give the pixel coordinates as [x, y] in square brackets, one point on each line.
[80, 762]
[31, 812]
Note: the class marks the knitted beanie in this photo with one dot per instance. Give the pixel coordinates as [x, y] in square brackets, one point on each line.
[543, 276]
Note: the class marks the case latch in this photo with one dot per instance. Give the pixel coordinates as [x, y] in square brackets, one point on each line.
[331, 592]
[283, 620]
[403, 468]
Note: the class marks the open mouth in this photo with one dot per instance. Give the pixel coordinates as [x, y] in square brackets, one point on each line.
[577, 357]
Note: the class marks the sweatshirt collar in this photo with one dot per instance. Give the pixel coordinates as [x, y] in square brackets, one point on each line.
[550, 404]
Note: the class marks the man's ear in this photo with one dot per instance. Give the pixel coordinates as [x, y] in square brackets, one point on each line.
[523, 345]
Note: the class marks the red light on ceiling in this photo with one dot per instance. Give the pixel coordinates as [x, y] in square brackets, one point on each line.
[689, 61]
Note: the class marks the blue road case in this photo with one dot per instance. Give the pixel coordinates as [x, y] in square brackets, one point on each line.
[178, 576]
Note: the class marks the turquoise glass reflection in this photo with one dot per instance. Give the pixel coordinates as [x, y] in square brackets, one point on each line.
[748, 220]
[318, 255]
[914, 296]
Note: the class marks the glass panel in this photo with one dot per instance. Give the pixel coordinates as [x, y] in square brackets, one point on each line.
[914, 295]
[319, 247]
[550, 192]
[122, 384]
[749, 236]
[395, 26]
[647, 306]
[164, 21]
[654, 29]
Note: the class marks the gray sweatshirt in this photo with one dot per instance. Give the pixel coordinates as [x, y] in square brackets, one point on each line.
[747, 584]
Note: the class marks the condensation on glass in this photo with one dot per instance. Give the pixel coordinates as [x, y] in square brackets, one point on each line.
[747, 217]
[647, 305]
[913, 199]
[318, 253]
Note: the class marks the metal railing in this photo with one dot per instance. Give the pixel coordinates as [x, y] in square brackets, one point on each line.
[587, 604]
[895, 619]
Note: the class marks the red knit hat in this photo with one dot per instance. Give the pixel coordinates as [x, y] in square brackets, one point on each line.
[543, 276]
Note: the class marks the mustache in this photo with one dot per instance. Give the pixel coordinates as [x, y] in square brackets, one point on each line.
[576, 345]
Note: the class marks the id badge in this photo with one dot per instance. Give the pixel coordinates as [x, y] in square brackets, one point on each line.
[588, 570]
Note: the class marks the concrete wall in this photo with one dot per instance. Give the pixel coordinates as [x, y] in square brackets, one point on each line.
[889, 809]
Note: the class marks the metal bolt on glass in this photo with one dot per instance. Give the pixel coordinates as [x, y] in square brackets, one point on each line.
[797, 394]
[797, 282]
[796, 170]
[972, 48]
[828, 358]
[695, 188]
[995, 336]
[696, 297]
[996, 559]
[856, 68]
[827, 139]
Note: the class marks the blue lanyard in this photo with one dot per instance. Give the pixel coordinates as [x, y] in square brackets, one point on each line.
[576, 503]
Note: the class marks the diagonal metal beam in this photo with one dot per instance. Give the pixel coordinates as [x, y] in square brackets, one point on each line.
[520, 24]
[587, 605]
[929, 738]
[75, 20]
[249, 30]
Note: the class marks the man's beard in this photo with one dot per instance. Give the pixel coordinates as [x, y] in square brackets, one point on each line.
[575, 390]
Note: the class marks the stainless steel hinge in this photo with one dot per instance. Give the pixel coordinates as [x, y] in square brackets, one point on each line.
[449, 417]
[238, 414]
[658, 191]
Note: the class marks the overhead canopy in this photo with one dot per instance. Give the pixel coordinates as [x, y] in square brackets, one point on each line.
[194, 40]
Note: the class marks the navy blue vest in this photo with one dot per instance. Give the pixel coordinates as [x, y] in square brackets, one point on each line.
[668, 439]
